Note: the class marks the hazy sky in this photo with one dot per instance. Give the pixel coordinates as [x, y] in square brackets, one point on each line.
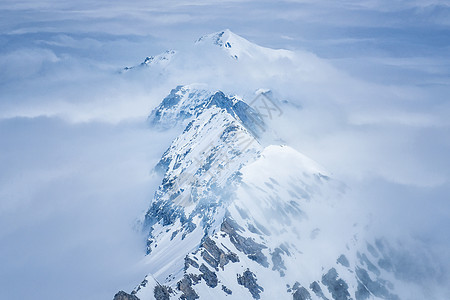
[76, 153]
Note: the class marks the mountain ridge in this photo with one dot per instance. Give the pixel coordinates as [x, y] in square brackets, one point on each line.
[238, 215]
[208, 223]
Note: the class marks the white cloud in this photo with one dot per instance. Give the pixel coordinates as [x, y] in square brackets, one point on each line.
[24, 63]
[75, 165]
[70, 197]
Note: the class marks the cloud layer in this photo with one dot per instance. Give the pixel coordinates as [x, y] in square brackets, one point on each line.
[372, 78]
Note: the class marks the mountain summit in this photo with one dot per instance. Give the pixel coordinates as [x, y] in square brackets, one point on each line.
[235, 219]
[211, 48]
[240, 216]
[235, 45]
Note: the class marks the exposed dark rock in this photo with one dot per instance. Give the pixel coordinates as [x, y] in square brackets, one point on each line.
[260, 258]
[277, 260]
[164, 213]
[209, 259]
[301, 294]
[372, 250]
[364, 260]
[362, 293]
[380, 245]
[149, 243]
[404, 263]
[253, 229]
[385, 264]
[140, 286]
[163, 165]
[171, 100]
[215, 256]
[246, 245]
[233, 257]
[262, 228]
[212, 248]
[185, 286]
[377, 288]
[226, 290]
[337, 287]
[224, 259]
[209, 276]
[315, 287]
[343, 261]
[229, 225]
[174, 234]
[189, 262]
[124, 296]
[248, 280]
[162, 292]
[195, 278]
[251, 119]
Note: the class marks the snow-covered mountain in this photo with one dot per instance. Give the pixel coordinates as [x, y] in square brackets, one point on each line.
[158, 60]
[239, 215]
[239, 48]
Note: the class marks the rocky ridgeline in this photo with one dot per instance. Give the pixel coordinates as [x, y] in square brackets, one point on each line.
[222, 244]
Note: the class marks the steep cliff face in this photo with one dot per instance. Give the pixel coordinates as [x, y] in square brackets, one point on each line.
[200, 168]
[124, 296]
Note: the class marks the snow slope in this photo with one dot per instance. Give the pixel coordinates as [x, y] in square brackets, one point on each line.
[239, 215]
[238, 220]
[239, 48]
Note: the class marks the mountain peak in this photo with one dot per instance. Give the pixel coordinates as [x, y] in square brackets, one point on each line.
[210, 50]
[161, 60]
[186, 102]
[220, 38]
[234, 44]
[252, 217]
